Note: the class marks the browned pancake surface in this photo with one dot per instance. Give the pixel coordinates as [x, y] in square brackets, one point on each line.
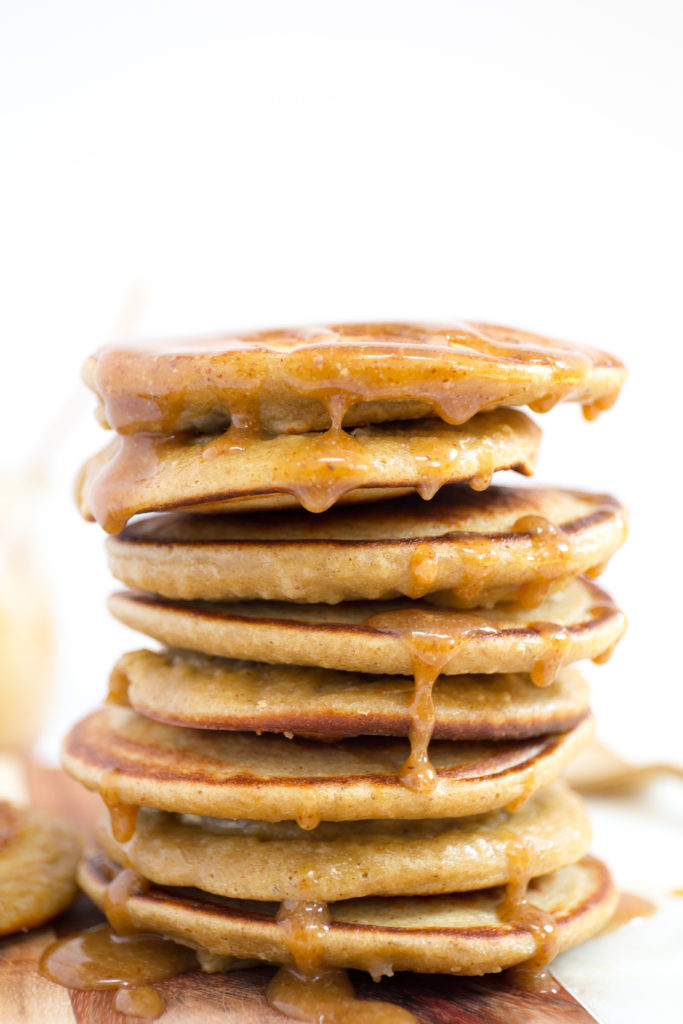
[343, 860]
[578, 622]
[187, 688]
[130, 759]
[456, 934]
[483, 545]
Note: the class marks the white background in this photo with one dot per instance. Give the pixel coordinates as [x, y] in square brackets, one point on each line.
[271, 163]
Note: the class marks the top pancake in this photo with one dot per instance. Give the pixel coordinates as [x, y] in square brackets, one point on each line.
[301, 379]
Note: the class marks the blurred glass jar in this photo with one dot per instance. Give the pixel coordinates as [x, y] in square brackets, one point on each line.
[27, 652]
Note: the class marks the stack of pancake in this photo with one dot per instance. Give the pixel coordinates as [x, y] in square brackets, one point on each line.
[346, 753]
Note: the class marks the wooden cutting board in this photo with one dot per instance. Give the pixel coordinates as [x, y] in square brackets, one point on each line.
[235, 998]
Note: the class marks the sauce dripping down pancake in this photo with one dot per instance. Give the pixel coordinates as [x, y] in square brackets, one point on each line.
[431, 646]
[306, 990]
[305, 378]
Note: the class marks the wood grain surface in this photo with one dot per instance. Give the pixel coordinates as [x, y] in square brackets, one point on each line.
[238, 997]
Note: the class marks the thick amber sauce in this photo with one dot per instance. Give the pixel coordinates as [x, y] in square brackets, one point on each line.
[432, 639]
[123, 816]
[310, 991]
[516, 909]
[101, 959]
[455, 370]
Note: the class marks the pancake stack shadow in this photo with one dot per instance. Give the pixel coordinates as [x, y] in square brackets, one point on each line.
[346, 751]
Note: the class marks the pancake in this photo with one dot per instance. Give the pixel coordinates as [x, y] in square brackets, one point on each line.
[258, 860]
[310, 378]
[38, 857]
[191, 689]
[388, 637]
[145, 473]
[458, 933]
[483, 545]
[131, 760]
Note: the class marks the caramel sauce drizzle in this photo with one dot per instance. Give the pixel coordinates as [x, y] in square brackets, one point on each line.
[477, 564]
[244, 429]
[100, 959]
[528, 787]
[330, 464]
[136, 459]
[304, 925]
[556, 640]
[604, 656]
[515, 909]
[432, 639]
[117, 692]
[123, 816]
[531, 594]
[423, 570]
[607, 607]
[141, 1001]
[328, 998]
[550, 552]
[591, 410]
[125, 883]
[309, 992]
[321, 363]
[596, 570]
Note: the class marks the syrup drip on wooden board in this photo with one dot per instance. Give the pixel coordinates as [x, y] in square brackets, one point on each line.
[431, 639]
[515, 908]
[308, 991]
[206, 996]
[100, 959]
[329, 998]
